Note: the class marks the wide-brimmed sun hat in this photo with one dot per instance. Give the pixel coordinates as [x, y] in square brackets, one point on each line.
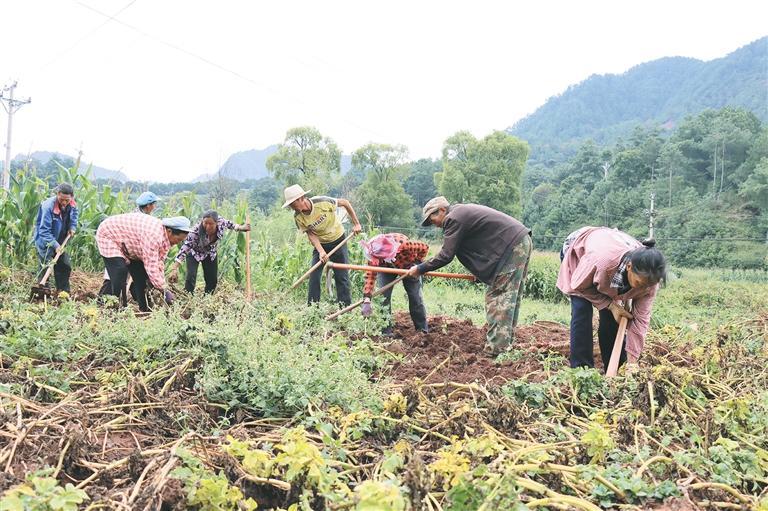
[292, 193]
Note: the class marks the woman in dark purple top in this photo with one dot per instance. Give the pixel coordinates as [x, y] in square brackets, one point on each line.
[200, 248]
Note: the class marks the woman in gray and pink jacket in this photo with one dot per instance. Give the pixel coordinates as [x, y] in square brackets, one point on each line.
[600, 268]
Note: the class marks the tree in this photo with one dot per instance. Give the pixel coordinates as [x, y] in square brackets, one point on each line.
[704, 138]
[265, 194]
[221, 188]
[382, 196]
[671, 163]
[420, 183]
[755, 188]
[486, 171]
[307, 158]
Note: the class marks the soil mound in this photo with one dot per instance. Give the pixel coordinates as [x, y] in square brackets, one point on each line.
[85, 286]
[453, 351]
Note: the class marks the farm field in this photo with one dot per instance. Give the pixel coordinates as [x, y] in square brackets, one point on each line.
[221, 404]
[165, 346]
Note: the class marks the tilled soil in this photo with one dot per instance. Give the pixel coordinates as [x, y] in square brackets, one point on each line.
[453, 352]
[85, 286]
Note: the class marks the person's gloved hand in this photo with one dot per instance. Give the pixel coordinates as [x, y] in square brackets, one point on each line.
[168, 297]
[367, 310]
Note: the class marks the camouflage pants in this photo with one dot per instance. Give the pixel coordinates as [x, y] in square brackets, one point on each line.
[502, 299]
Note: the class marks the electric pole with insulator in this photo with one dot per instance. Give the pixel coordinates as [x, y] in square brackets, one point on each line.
[11, 106]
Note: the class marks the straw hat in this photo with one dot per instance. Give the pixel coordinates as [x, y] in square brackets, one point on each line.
[292, 193]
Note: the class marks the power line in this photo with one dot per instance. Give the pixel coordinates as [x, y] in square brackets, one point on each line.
[563, 236]
[220, 67]
[87, 35]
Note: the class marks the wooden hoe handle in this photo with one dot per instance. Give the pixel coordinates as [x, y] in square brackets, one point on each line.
[320, 262]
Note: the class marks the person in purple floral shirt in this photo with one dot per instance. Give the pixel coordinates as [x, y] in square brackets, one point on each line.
[200, 248]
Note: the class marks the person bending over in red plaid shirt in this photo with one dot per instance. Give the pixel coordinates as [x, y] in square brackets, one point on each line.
[136, 244]
[395, 250]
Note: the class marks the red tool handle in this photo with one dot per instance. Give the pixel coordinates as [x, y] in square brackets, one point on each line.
[398, 271]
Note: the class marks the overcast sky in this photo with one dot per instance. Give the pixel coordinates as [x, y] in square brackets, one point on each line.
[168, 89]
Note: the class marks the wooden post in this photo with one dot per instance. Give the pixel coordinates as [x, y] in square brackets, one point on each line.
[248, 295]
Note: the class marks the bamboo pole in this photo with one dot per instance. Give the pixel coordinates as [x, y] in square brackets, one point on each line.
[248, 294]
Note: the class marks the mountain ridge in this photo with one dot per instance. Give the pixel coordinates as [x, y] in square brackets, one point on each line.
[660, 92]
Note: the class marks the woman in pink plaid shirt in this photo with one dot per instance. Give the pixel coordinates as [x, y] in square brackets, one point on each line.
[600, 268]
[136, 243]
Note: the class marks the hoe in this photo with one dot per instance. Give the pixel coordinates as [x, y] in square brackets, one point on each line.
[383, 269]
[39, 291]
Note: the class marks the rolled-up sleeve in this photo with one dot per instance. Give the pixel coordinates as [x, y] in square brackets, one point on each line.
[153, 261]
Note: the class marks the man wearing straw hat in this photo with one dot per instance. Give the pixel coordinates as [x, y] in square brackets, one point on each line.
[316, 216]
[495, 248]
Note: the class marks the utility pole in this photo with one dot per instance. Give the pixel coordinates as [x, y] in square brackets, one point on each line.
[11, 106]
[651, 213]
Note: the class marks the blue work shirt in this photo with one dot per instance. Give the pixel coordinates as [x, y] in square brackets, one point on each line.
[53, 223]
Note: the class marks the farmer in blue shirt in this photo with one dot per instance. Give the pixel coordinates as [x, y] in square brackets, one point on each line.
[56, 218]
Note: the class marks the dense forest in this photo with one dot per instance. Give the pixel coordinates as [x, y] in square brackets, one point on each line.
[708, 178]
[662, 92]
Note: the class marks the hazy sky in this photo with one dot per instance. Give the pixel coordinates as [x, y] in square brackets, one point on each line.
[168, 89]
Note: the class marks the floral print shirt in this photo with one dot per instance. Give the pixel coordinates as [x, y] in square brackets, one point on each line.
[199, 245]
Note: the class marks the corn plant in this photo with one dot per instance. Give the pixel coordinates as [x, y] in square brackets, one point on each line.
[21, 203]
[94, 206]
[17, 216]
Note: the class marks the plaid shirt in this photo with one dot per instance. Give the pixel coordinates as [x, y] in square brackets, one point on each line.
[136, 237]
[199, 245]
[620, 281]
[408, 254]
